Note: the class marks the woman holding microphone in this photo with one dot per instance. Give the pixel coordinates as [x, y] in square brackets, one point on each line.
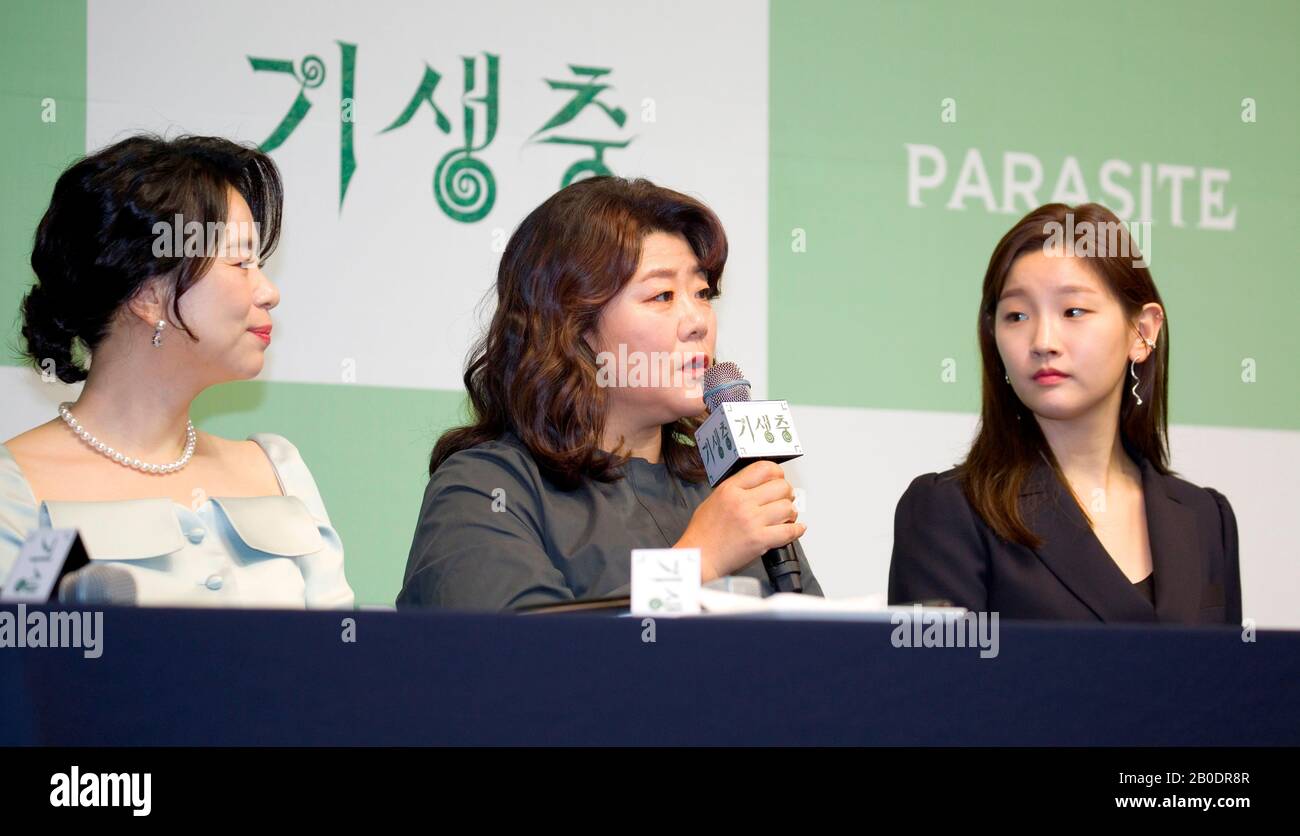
[1066, 507]
[570, 462]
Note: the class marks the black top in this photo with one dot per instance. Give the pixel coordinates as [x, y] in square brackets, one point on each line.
[495, 534]
[943, 549]
[1147, 587]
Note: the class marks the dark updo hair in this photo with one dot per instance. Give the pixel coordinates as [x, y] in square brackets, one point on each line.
[94, 248]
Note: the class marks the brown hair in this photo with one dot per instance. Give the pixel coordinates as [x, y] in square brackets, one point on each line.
[533, 373]
[1009, 444]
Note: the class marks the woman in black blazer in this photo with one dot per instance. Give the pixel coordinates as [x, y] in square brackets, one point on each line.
[1065, 508]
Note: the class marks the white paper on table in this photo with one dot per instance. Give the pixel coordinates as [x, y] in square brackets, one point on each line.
[795, 605]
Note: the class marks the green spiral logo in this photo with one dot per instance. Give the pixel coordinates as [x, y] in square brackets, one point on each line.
[311, 72]
[464, 187]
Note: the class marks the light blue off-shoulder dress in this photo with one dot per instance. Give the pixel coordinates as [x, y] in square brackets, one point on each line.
[264, 551]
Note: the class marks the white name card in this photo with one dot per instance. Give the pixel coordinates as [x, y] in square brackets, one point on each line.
[665, 581]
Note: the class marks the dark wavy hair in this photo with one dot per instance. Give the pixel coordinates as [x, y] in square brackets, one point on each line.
[94, 248]
[533, 373]
[1009, 445]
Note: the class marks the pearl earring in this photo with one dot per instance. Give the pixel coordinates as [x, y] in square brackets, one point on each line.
[157, 333]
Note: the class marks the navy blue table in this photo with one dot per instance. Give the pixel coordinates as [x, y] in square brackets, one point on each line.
[173, 677]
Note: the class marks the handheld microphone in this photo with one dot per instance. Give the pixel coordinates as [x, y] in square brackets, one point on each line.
[99, 584]
[739, 432]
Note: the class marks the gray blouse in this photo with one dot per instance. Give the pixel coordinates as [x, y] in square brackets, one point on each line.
[495, 534]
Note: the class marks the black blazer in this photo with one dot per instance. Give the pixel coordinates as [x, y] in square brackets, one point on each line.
[943, 549]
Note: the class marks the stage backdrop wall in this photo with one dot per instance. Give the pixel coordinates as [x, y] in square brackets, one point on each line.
[864, 156]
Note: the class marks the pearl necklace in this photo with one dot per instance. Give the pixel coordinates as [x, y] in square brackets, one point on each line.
[123, 459]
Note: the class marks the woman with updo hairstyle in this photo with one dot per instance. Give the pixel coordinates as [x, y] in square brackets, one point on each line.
[149, 288]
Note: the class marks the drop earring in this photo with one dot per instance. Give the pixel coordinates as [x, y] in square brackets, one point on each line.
[1132, 370]
[157, 334]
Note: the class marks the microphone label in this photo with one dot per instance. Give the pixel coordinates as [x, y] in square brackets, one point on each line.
[744, 431]
[46, 556]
